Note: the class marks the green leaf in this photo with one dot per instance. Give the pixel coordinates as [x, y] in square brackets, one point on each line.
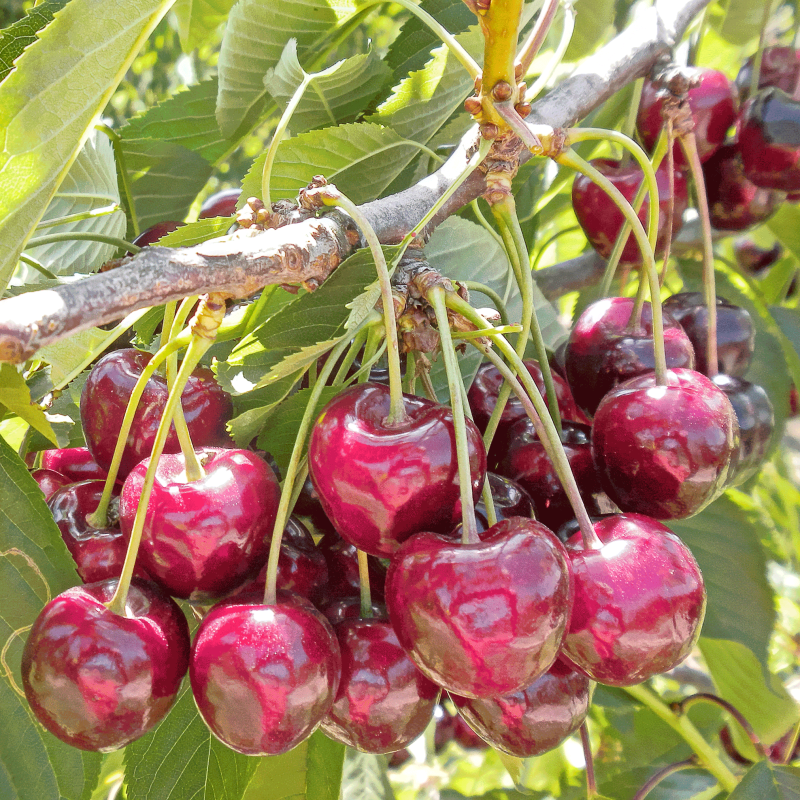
[765, 781]
[196, 232]
[90, 184]
[336, 95]
[16, 397]
[785, 224]
[312, 771]
[742, 681]
[15, 38]
[182, 760]
[593, 24]
[364, 777]
[65, 417]
[725, 540]
[198, 19]
[736, 21]
[48, 103]
[360, 159]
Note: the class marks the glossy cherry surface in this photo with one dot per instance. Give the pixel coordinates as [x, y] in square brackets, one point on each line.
[97, 680]
[665, 451]
[379, 484]
[734, 202]
[510, 500]
[76, 463]
[526, 462]
[383, 702]
[220, 204]
[342, 560]
[336, 611]
[50, 481]
[753, 258]
[639, 601]
[736, 334]
[756, 420]
[156, 232]
[105, 396]
[768, 138]
[534, 720]
[712, 102]
[484, 619]
[603, 351]
[203, 538]
[780, 67]
[263, 677]
[602, 221]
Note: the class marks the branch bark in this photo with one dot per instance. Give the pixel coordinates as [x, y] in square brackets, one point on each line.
[242, 263]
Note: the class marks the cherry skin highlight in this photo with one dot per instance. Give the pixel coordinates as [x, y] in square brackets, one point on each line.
[50, 481]
[220, 204]
[97, 680]
[74, 462]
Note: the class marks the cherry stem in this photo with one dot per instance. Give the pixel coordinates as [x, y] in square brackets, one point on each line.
[689, 145]
[363, 579]
[591, 780]
[706, 755]
[558, 54]
[671, 204]
[469, 529]
[166, 323]
[755, 76]
[705, 697]
[532, 401]
[629, 126]
[78, 236]
[284, 506]
[482, 288]
[99, 517]
[397, 410]
[791, 744]
[410, 380]
[536, 37]
[571, 159]
[350, 356]
[122, 171]
[542, 248]
[661, 775]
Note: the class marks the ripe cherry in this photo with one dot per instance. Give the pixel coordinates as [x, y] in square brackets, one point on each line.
[50, 481]
[74, 462]
[780, 67]
[156, 232]
[342, 560]
[220, 204]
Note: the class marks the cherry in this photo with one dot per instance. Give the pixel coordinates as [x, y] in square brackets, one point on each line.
[342, 561]
[74, 462]
[156, 232]
[50, 481]
[769, 140]
[220, 204]
[510, 500]
[526, 462]
[756, 425]
[263, 677]
[736, 334]
[665, 451]
[780, 67]
[713, 106]
[734, 202]
[383, 702]
[602, 221]
[532, 721]
[105, 395]
[202, 538]
[336, 611]
[603, 351]
[483, 619]
[97, 680]
[752, 258]
[381, 483]
[639, 601]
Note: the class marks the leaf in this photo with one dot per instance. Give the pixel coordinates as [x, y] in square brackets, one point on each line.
[196, 232]
[360, 159]
[593, 24]
[311, 771]
[34, 567]
[47, 105]
[182, 760]
[736, 21]
[785, 224]
[338, 94]
[15, 38]
[16, 397]
[742, 681]
[65, 418]
[254, 408]
[765, 781]
[364, 777]
[198, 19]
[90, 184]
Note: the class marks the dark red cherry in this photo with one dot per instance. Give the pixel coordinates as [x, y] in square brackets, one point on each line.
[105, 396]
[203, 538]
[383, 702]
[526, 462]
[752, 258]
[602, 221]
[756, 425]
[768, 139]
[780, 67]
[74, 462]
[603, 350]
[484, 619]
[220, 204]
[336, 611]
[342, 560]
[639, 601]
[156, 232]
[534, 720]
[97, 680]
[713, 105]
[665, 451]
[263, 677]
[510, 500]
[50, 481]
[736, 334]
[379, 484]
[734, 202]
[467, 737]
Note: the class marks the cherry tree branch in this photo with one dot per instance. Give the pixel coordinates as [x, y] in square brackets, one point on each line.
[306, 252]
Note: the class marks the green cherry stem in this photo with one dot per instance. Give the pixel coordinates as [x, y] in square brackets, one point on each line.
[78, 236]
[122, 171]
[287, 491]
[363, 580]
[591, 780]
[474, 286]
[469, 529]
[706, 755]
[82, 215]
[661, 775]
[571, 159]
